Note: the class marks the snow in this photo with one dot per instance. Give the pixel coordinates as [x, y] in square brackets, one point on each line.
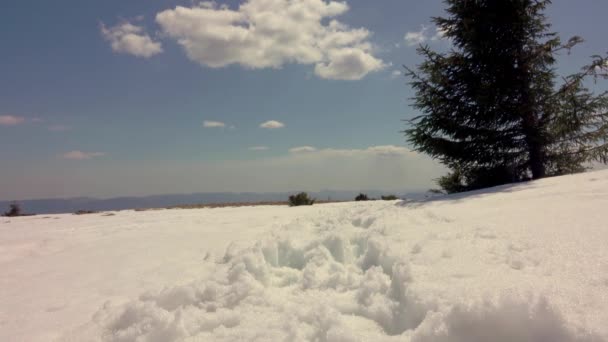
[525, 262]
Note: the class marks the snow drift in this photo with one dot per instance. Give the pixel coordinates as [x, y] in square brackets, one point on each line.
[522, 262]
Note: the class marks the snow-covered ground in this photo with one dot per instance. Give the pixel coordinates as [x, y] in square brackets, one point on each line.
[527, 262]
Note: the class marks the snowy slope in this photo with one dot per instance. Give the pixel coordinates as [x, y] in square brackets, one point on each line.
[527, 262]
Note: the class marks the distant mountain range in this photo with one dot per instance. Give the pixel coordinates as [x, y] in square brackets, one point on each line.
[70, 205]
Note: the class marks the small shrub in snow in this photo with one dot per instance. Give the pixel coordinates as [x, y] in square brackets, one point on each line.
[300, 199]
[85, 212]
[362, 197]
[390, 198]
[14, 209]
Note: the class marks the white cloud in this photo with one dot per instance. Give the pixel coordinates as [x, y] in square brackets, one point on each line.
[258, 148]
[418, 37]
[271, 33]
[79, 155]
[213, 124]
[131, 39]
[11, 120]
[302, 149]
[272, 124]
[396, 74]
[347, 64]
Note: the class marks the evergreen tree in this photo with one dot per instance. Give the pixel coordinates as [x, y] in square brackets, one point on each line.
[491, 110]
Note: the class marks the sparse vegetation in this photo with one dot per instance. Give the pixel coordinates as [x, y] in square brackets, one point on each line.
[14, 209]
[361, 197]
[389, 198]
[85, 212]
[300, 199]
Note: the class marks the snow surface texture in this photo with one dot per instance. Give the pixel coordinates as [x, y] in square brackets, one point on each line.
[523, 262]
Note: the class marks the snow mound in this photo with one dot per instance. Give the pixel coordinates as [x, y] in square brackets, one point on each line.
[335, 283]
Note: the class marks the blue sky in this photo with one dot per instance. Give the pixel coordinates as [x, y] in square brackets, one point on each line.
[109, 98]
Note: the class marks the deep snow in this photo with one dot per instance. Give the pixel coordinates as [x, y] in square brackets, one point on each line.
[524, 262]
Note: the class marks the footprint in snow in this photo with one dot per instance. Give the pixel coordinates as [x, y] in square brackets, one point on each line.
[416, 249]
[516, 264]
[363, 222]
[483, 233]
[434, 217]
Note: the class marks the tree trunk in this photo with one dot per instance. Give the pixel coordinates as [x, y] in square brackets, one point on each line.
[536, 155]
[530, 121]
[533, 138]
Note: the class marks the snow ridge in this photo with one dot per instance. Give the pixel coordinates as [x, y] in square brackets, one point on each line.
[326, 278]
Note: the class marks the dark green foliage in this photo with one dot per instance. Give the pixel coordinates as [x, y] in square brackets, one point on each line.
[578, 127]
[14, 209]
[491, 109]
[476, 178]
[300, 199]
[452, 182]
[389, 198]
[361, 197]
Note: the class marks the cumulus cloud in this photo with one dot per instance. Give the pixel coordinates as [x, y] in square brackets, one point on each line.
[258, 148]
[11, 120]
[302, 149]
[414, 38]
[272, 124]
[213, 124]
[79, 155]
[269, 34]
[131, 39]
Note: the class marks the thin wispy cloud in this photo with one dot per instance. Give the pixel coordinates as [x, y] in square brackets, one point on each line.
[257, 36]
[388, 151]
[272, 124]
[130, 39]
[302, 149]
[214, 124]
[80, 155]
[11, 120]
[414, 38]
[258, 148]
[396, 74]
